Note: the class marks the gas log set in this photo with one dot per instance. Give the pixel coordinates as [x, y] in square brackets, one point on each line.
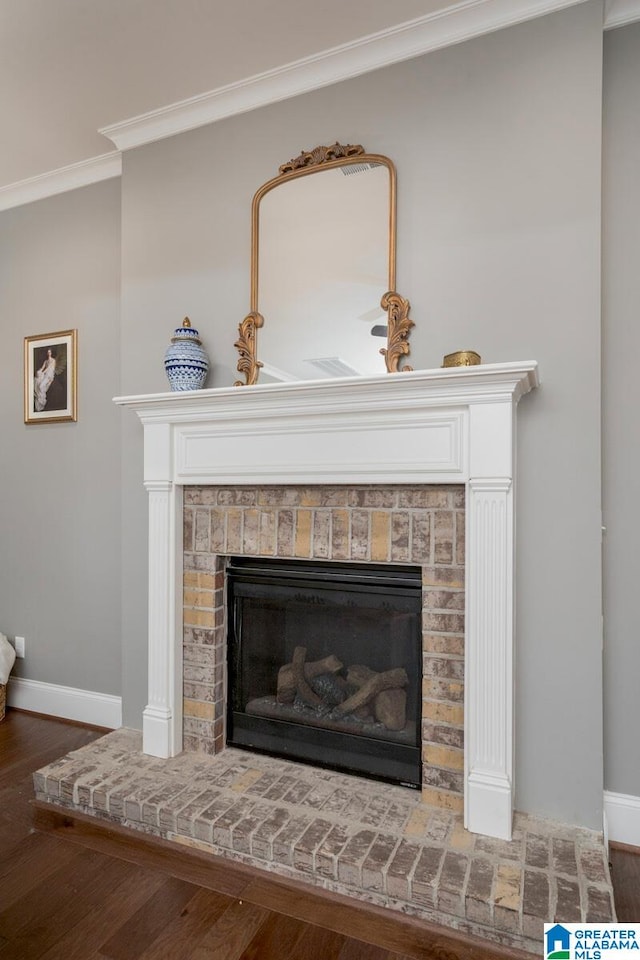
[333, 693]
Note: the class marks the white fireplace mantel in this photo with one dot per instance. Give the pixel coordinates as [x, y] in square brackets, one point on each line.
[429, 426]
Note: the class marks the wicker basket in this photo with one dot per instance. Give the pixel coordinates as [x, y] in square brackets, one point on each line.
[3, 699]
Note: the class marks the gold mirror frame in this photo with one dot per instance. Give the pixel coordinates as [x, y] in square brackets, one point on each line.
[395, 306]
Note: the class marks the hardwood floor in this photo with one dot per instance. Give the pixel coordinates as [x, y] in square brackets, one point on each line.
[625, 873]
[70, 891]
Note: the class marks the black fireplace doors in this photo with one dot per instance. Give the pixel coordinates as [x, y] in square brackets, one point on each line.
[325, 664]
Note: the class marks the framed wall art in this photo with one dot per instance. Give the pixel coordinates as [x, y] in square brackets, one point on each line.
[50, 377]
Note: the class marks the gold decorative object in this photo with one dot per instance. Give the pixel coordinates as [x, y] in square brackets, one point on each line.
[246, 347]
[462, 358]
[311, 162]
[399, 326]
[311, 158]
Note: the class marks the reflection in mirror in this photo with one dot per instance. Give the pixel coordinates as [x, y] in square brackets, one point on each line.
[323, 271]
[323, 268]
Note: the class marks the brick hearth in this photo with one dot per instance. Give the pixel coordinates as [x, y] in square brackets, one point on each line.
[374, 842]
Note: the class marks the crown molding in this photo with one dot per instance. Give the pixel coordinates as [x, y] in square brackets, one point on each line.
[618, 13]
[465, 20]
[81, 174]
[470, 18]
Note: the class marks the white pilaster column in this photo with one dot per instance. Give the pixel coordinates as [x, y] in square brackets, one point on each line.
[489, 659]
[162, 717]
[489, 623]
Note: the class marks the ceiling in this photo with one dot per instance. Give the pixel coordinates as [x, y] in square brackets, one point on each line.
[71, 67]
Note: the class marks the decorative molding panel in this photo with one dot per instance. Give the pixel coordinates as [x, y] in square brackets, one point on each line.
[70, 703]
[465, 20]
[622, 815]
[318, 449]
[426, 426]
[618, 13]
[105, 167]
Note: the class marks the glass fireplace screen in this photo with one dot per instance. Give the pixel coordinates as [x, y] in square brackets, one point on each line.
[325, 664]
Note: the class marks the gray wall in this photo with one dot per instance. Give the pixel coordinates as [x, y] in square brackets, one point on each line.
[621, 400]
[497, 144]
[60, 483]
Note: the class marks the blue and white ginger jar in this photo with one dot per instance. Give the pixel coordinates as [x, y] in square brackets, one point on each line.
[185, 359]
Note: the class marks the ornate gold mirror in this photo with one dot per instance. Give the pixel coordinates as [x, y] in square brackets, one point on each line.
[323, 265]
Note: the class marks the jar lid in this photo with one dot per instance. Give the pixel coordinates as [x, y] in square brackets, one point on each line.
[186, 332]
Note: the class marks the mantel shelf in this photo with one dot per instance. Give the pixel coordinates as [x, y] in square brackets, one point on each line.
[451, 385]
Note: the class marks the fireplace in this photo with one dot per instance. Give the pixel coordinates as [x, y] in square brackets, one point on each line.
[428, 427]
[325, 664]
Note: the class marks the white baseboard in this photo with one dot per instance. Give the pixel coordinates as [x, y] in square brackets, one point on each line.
[622, 814]
[70, 703]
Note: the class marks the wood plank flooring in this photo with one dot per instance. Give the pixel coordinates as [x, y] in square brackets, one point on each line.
[625, 873]
[71, 891]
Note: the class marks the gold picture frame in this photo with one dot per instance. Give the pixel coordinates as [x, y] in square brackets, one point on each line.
[398, 324]
[50, 377]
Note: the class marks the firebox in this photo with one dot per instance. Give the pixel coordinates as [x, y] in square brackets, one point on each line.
[324, 664]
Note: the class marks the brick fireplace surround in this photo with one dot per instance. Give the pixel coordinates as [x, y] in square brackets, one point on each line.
[420, 525]
[416, 468]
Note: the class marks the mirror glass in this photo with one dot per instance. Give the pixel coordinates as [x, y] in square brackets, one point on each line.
[324, 264]
[323, 259]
